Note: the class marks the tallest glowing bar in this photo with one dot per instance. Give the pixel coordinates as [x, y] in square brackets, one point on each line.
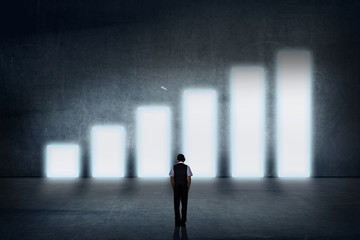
[294, 113]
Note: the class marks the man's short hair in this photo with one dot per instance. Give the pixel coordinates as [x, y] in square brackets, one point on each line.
[181, 157]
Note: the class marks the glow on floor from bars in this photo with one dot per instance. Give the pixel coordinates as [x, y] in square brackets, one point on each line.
[294, 113]
[247, 121]
[108, 151]
[153, 138]
[62, 160]
[200, 131]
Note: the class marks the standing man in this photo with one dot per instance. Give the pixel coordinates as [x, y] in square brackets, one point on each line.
[180, 178]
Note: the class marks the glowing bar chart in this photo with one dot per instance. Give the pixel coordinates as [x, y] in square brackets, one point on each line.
[294, 87]
[62, 160]
[200, 127]
[153, 138]
[198, 133]
[108, 151]
[247, 87]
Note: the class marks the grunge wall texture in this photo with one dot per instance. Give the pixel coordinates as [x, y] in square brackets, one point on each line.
[67, 65]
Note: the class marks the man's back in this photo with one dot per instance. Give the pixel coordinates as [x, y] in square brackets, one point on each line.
[180, 175]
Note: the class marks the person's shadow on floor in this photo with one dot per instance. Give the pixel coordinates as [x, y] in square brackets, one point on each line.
[177, 233]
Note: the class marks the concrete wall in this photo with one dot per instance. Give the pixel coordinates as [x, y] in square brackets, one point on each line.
[67, 65]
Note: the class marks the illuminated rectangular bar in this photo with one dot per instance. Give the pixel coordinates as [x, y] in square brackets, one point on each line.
[62, 160]
[200, 131]
[153, 138]
[247, 121]
[108, 151]
[294, 90]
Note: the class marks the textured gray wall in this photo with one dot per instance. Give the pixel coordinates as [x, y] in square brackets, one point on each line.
[67, 65]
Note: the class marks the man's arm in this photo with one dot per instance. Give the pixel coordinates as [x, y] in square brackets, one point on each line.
[172, 182]
[189, 182]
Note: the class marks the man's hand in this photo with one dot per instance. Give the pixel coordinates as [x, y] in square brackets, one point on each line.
[172, 182]
[189, 182]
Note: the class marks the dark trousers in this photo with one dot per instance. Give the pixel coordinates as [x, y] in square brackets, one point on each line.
[180, 194]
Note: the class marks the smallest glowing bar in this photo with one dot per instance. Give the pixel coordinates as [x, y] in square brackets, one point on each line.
[294, 90]
[108, 151]
[62, 160]
[247, 121]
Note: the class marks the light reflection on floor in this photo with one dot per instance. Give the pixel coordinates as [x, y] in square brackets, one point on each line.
[133, 208]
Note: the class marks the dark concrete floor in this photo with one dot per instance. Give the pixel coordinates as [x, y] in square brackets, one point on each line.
[317, 208]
